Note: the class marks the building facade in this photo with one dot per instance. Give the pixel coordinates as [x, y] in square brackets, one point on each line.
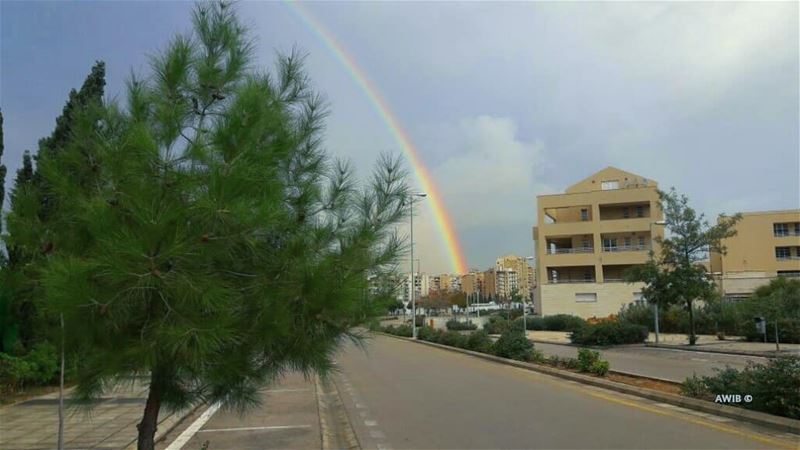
[588, 236]
[472, 283]
[523, 274]
[766, 245]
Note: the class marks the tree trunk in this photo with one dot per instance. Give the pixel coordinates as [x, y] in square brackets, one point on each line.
[777, 341]
[692, 336]
[147, 427]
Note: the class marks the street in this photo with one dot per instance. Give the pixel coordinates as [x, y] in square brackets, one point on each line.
[406, 395]
[674, 365]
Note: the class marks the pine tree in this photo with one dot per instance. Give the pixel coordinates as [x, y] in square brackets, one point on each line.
[2, 178]
[203, 237]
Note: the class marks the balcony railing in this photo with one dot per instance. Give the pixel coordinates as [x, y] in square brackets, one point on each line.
[789, 274]
[788, 258]
[613, 280]
[558, 251]
[551, 281]
[787, 233]
[626, 248]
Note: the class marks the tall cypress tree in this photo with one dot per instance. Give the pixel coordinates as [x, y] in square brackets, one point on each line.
[2, 175]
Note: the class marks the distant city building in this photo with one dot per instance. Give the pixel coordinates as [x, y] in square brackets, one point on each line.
[766, 245]
[524, 278]
[472, 283]
[421, 286]
[588, 236]
[449, 283]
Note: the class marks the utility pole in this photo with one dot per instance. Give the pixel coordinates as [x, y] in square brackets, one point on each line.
[413, 278]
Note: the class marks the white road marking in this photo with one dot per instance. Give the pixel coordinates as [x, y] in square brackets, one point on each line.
[277, 427]
[377, 434]
[371, 423]
[190, 431]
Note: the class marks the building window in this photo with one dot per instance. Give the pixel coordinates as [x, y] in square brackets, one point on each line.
[625, 213]
[797, 229]
[782, 252]
[585, 297]
[639, 211]
[585, 243]
[609, 244]
[609, 185]
[641, 242]
[789, 273]
[781, 229]
[587, 275]
[584, 214]
[627, 242]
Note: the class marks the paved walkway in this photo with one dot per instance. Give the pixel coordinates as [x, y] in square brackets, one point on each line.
[287, 418]
[704, 342]
[110, 424]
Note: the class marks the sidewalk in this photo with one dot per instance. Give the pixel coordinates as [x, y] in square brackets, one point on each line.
[680, 342]
[111, 424]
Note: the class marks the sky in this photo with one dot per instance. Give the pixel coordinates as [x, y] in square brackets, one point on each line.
[505, 101]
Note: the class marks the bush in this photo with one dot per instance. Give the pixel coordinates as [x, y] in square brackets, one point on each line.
[429, 334]
[788, 331]
[600, 367]
[535, 323]
[37, 368]
[453, 339]
[496, 325]
[586, 358]
[773, 386]
[562, 322]
[517, 312]
[609, 333]
[400, 330]
[479, 341]
[461, 326]
[513, 344]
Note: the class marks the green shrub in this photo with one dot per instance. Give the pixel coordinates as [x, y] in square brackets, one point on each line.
[517, 312]
[557, 361]
[44, 363]
[586, 358]
[562, 322]
[513, 344]
[536, 356]
[453, 339]
[479, 341]
[609, 333]
[600, 367]
[535, 323]
[460, 326]
[399, 330]
[496, 325]
[429, 334]
[15, 372]
[788, 331]
[773, 386]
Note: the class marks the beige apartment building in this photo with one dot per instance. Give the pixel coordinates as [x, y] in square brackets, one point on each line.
[766, 245]
[588, 236]
[472, 283]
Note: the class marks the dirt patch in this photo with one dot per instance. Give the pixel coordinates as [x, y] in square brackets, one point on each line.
[662, 386]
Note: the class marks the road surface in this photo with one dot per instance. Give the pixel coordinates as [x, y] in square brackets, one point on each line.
[402, 395]
[675, 365]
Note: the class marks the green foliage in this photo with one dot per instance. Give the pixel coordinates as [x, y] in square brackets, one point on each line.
[513, 344]
[2, 181]
[460, 326]
[609, 333]
[586, 358]
[399, 330]
[201, 234]
[788, 331]
[535, 323]
[496, 325]
[773, 386]
[673, 275]
[37, 368]
[479, 341]
[453, 339]
[562, 322]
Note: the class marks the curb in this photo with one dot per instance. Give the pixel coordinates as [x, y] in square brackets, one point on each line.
[758, 418]
[336, 431]
[721, 352]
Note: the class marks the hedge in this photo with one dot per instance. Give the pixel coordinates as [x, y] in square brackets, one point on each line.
[37, 368]
[773, 386]
[460, 326]
[609, 333]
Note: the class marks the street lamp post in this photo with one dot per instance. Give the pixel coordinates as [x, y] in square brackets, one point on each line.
[655, 304]
[413, 287]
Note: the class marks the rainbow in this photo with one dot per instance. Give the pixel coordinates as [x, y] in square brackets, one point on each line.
[434, 199]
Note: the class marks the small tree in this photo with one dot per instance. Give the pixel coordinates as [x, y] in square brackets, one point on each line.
[202, 237]
[780, 299]
[674, 275]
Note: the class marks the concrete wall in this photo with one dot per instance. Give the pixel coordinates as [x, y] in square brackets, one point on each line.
[611, 297]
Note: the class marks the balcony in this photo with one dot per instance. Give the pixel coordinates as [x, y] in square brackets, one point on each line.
[559, 251]
[556, 281]
[786, 233]
[788, 258]
[626, 248]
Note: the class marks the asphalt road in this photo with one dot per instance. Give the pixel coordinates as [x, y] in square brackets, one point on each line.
[410, 396]
[675, 365]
